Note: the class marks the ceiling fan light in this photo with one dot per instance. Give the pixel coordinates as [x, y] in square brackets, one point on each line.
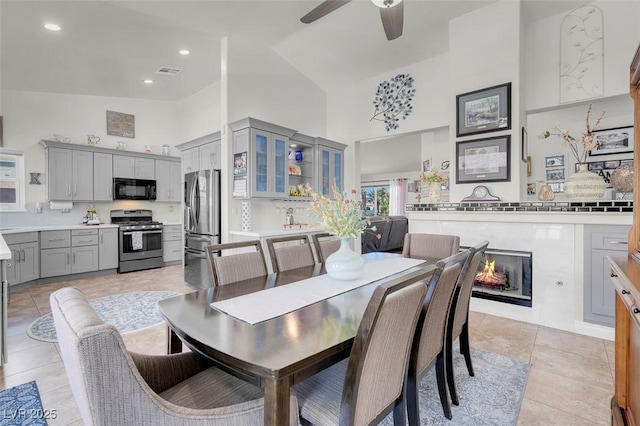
[383, 4]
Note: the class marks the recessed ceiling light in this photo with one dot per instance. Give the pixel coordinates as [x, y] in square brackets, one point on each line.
[53, 27]
[184, 52]
[293, 145]
[148, 81]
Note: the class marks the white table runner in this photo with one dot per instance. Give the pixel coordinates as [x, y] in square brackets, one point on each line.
[273, 302]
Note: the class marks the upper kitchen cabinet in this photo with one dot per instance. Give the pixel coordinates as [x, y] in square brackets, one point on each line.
[69, 174]
[330, 164]
[201, 154]
[102, 176]
[125, 166]
[169, 178]
[261, 155]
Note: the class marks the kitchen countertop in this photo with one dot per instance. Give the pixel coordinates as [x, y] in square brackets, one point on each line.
[5, 253]
[278, 231]
[18, 229]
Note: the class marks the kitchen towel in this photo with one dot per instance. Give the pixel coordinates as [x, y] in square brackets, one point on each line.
[136, 240]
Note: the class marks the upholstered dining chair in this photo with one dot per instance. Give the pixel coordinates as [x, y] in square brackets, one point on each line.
[248, 263]
[428, 347]
[354, 391]
[325, 244]
[113, 386]
[430, 246]
[458, 322]
[290, 252]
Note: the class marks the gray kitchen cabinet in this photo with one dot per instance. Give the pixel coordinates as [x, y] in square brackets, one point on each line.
[172, 246]
[202, 153]
[169, 180]
[190, 160]
[210, 156]
[102, 176]
[125, 166]
[68, 252]
[108, 248]
[24, 264]
[266, 172]
[601, 241]
[69, 174]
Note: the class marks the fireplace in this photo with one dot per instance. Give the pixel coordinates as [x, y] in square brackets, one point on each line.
[505, 276]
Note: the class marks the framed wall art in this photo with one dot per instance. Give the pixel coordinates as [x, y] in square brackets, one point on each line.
[554, 161]
[483, 160]
[613, 141]
[555, 174]
[121, 124]
[485, 110]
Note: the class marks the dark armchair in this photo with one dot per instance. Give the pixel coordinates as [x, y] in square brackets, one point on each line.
[388, 236]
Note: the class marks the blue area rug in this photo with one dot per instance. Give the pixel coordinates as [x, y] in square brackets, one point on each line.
[492, 397]
[127, 312]
[21, 405]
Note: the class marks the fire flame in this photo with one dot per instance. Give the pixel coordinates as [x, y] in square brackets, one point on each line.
[489, 275]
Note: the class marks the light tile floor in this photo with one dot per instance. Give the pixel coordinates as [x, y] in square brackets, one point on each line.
[570, 383]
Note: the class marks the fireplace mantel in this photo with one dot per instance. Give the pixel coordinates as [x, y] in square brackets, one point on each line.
[556, 240]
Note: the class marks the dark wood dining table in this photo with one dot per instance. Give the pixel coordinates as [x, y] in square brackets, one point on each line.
[276, 353]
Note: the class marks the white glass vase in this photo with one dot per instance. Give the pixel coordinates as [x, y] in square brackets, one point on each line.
[584, 185]
[344, 264]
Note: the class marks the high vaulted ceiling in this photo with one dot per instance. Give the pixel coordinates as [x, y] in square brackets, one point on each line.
[106, 48]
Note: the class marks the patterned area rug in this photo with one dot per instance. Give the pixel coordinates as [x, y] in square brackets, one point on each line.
[492, 397]
[127, 312]
[21, 405]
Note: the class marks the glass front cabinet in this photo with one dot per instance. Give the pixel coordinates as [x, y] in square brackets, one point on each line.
[330, 165]
[271, 161]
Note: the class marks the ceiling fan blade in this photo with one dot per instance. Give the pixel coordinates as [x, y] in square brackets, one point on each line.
[392, 20]
[324, 8]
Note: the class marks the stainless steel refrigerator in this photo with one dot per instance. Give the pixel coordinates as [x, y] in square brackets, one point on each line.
[202, 224]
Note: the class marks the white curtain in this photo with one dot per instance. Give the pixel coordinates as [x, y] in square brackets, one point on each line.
[397, 197]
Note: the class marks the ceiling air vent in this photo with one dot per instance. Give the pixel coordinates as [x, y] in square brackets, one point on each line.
[168, 71]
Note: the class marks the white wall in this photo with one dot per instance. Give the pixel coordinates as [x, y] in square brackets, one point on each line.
[32, 116]
[485, 52]
[542, 53]
[199, 114]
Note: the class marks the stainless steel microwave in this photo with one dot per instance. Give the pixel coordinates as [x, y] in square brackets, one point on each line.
[134, 189]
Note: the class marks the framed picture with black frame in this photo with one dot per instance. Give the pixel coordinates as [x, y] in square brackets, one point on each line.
[618, 140]
[484, 160]
[485, 110]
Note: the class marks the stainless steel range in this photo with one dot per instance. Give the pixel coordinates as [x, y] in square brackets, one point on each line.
[140, 240]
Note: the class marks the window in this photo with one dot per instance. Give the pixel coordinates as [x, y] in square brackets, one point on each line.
[11, 180]
[375, 200]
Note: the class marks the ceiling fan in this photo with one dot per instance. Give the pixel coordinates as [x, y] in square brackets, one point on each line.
[391, 13]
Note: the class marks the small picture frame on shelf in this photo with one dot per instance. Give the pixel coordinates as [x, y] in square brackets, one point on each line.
[557, 187]
[410, 187]
[554, 161]
[531, 188]
[555, 174]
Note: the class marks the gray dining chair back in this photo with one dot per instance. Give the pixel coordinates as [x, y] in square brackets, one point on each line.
[290, 252]
[370, 384]
[458, 323]
[429, 340]
[430, 246]
[325, 244]
[245, 263]
[113, 386]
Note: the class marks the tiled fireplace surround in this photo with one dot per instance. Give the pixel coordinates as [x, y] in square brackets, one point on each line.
[553, 232]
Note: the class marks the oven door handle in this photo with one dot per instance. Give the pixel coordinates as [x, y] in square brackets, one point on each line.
[144, 232]
[196, 253]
